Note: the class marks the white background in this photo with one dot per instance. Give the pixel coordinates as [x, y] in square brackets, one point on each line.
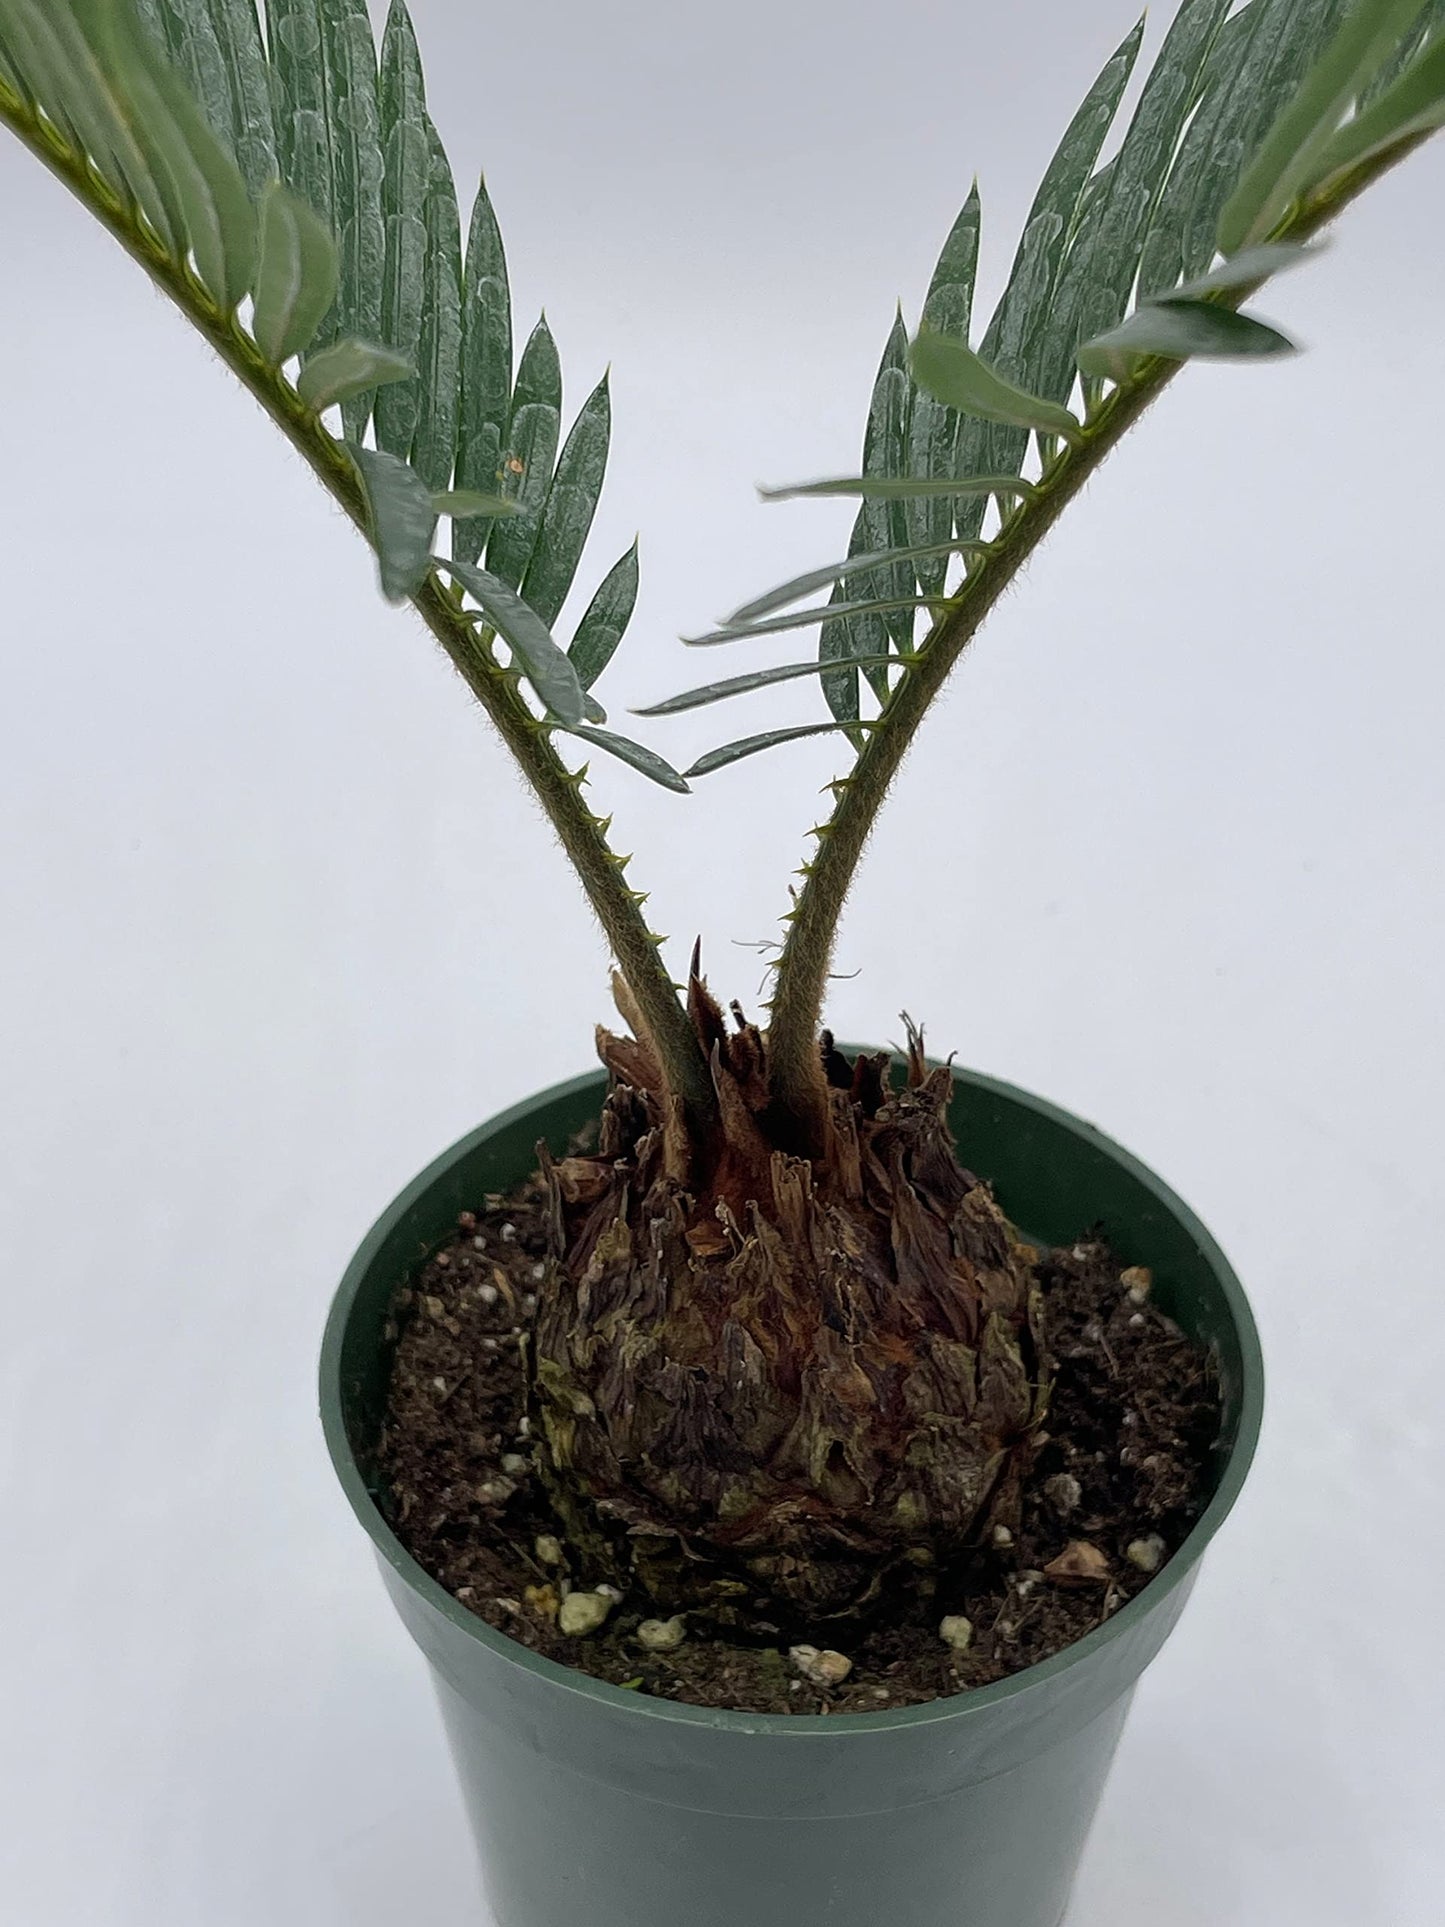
[279, 924]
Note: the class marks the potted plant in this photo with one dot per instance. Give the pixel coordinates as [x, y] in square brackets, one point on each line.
[790, 1373]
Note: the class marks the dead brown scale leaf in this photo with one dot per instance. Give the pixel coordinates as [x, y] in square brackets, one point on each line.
[1133, 1414]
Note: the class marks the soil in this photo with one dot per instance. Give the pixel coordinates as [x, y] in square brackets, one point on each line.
[1120, 1477]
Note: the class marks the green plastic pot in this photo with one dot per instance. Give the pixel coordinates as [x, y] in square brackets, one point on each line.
[597, 1807]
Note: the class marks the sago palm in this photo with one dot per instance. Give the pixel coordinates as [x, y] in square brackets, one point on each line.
[789, 1354]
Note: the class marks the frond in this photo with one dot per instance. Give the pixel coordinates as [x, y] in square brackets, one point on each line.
[295, 186]
[1136, 231]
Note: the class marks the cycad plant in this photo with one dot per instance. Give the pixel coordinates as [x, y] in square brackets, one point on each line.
[790, 1353]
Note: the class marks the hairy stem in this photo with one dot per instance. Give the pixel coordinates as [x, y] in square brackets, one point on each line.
[806, 957]
[560, 792]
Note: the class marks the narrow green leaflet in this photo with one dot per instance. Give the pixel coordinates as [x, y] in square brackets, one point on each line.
[538, 658]
[805, 618]
[750, 745]
[403, 520]
[1424, 29]
[539, 372]
[353, 125]
[62, 69]
[948, 305]
[349, 368]
[571, 504]
[469, 501]
[605, 621]
[1415, 104]
[883, 523]
[434, 451]
[486, 366]
[840, 641]
[900, 489]
[187, 33]
[205, 182]
[526, 476]
[295, 275]
[1368, 37]
[879, 527]
[406, 175]
[298, 75]
[251, 127]
[218, 46]
[1245, 270]
[401, 87]
[636, 754]
[933, 428]
[802, 585]
[952, 372]
[717, 692]
[1180, 331]
[531, 451]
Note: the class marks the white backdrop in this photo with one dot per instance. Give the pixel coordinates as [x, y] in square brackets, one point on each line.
[279, 925]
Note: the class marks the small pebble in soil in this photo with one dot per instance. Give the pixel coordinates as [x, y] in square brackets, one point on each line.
[495, 1491]
[515, 1466]
[1079, 1561]
[1146, 1554]
[825, 1668]
[582, 1613]
[541, 1600]
[614, 1593]
[488, 1293]
[1002, 1537]
[1063, 1493]
[1137, 1281]
[548, 1549]
[661, 1635]
[956, 1631]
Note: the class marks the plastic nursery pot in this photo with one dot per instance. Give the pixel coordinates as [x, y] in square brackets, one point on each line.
[591, 1803]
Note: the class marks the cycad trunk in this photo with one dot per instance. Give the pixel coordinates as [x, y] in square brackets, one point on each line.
[774, 1388]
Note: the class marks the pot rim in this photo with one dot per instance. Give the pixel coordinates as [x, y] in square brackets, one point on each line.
[974, 1700]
